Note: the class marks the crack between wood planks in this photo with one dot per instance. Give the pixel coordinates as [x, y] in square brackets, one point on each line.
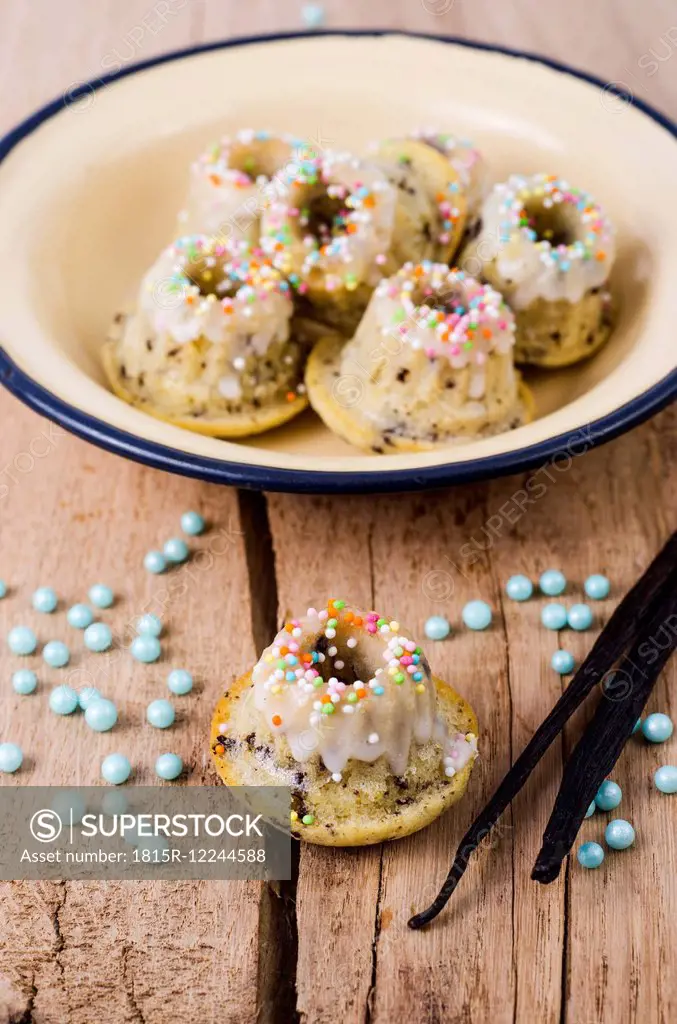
[278, 923]
[511, 711]
[371, 993]
[128, 979]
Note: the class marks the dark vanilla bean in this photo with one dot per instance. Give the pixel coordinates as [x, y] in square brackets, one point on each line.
[625, 625]
[601, 745]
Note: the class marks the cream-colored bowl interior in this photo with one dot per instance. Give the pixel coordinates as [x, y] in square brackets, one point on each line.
[88, 199]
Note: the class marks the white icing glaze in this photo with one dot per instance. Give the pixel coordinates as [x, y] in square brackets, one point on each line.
[311, 665]
[534, 267]
[355, 244]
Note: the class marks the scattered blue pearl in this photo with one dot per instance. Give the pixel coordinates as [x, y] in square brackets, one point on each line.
[175, 550]
[590, 855]
[22, 640]
[3, 588]
[180, 681]
[477, 615]
[579, 617]
[553, 582]
[160, 714]
[24, 681]
[591, 809]
[80, 616]
[88, 695]
[70, 807]
[619, 834]
[155, 562]
[45, 600]
[168, 766]
[554, 616]
[101, 715]
[637, 726]
[98, 637]
[192, 523]
[11, 757]
[149, 625]
[314, 15]
[563, 662]
[116, 769]
[101, 595]
[145, 648]
[597, 587]
[114, 802]
[63, 700]
[56, 654]
[657, 728]
[519, 588]
[609, 796]
[437, 627]
[665, 778]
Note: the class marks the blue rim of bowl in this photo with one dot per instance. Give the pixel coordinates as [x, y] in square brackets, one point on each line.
[272, 478]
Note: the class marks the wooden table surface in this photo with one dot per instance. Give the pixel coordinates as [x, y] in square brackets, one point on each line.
[333, 945]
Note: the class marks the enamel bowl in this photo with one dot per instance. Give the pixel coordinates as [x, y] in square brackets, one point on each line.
[90, 186]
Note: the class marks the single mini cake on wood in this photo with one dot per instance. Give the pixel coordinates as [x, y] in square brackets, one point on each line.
[212, 344]
[430, 365]
[549, 249]
[343, 708]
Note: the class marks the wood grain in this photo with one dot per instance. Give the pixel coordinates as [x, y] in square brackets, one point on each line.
[594, 948]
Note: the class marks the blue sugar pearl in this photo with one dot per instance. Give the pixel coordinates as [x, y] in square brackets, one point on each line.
[579, 617]
[168, 766]
[98, 637]
[554, 616]
[80, 616]
[553, 582]
[3, 588]
[314, 15]
[519, 588]
[180, 682]
[24, 681]
[665, 778]
[609, 796]
[22, 640]
[477, 615]
[146, 648]
[619, 834]
[175, 550]
[45, 600]
[591, 809]
[114, 802]
[101, 595]
[101, 715]
[116, 769]
[155, 562]
[11, 757]
[63, 700]
[70, 807]
[657, 728]
[590, 855]
[87, 696]
[56, 654]
[160, 713]
[192, 523]
[437, 627]
[563, 662]
[149, 625]
[597, 587]
[637, 726]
